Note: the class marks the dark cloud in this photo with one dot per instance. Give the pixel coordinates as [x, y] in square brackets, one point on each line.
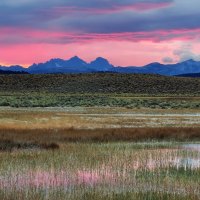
[79, 3]
[36, 12]
[136, 19]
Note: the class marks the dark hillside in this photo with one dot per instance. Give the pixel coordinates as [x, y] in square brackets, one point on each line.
[193, 75]
[12, 72]
[100, 83]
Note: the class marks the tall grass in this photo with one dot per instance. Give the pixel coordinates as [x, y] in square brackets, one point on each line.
[102, 171]
[98, 135]
[47, 161]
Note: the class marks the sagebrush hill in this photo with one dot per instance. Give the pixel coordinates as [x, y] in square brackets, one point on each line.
[100, 83]
[100, 89]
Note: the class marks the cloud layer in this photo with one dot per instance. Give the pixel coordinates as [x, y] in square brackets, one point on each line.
[80, 22]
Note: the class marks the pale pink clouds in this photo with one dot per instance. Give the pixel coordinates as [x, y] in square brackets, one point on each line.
[124, 49]
[125, 32]
[122, 53]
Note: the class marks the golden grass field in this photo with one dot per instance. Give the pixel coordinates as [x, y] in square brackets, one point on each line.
[95, 118]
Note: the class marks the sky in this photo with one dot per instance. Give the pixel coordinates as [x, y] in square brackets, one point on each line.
[126, 32]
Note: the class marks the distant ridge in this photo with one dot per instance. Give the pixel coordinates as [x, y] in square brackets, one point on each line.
[12, 72]
[16, 68]
[193, 75]
[77, 65]
[100, 83]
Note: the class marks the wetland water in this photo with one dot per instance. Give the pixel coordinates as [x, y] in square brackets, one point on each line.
[112, 167]
[195, 147]
[107, 168]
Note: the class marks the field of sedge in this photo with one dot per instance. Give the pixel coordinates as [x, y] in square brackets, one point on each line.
[127, 163]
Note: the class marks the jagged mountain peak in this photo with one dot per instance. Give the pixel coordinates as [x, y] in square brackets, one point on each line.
[56, 60]
[76, 61]
[100, 64]
[75, 58]
[190, 61]
[100, 60]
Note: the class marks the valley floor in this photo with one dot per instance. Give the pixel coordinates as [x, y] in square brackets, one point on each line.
[97, 153]
[96, 118]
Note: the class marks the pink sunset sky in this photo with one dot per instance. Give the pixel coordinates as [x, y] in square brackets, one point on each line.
[127, 33]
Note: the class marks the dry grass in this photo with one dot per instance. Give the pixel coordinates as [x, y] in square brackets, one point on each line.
[74, 159]
[98, 135]
[95, 118]
[96, 125]
[11, 145]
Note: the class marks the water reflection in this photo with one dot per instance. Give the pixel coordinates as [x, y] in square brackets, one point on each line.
[195, 147]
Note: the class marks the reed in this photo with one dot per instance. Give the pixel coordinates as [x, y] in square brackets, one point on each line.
[41, 136]
[144, 170]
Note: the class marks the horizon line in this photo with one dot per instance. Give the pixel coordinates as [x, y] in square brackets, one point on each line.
[88, 62]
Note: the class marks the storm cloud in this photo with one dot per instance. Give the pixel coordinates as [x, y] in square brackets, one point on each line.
[101, 17]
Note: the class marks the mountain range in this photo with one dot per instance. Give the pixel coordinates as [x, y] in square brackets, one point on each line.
[77, 65]
[12, 72]
[193, 75]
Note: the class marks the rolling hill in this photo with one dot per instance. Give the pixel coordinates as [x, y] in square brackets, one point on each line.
[114, 83]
